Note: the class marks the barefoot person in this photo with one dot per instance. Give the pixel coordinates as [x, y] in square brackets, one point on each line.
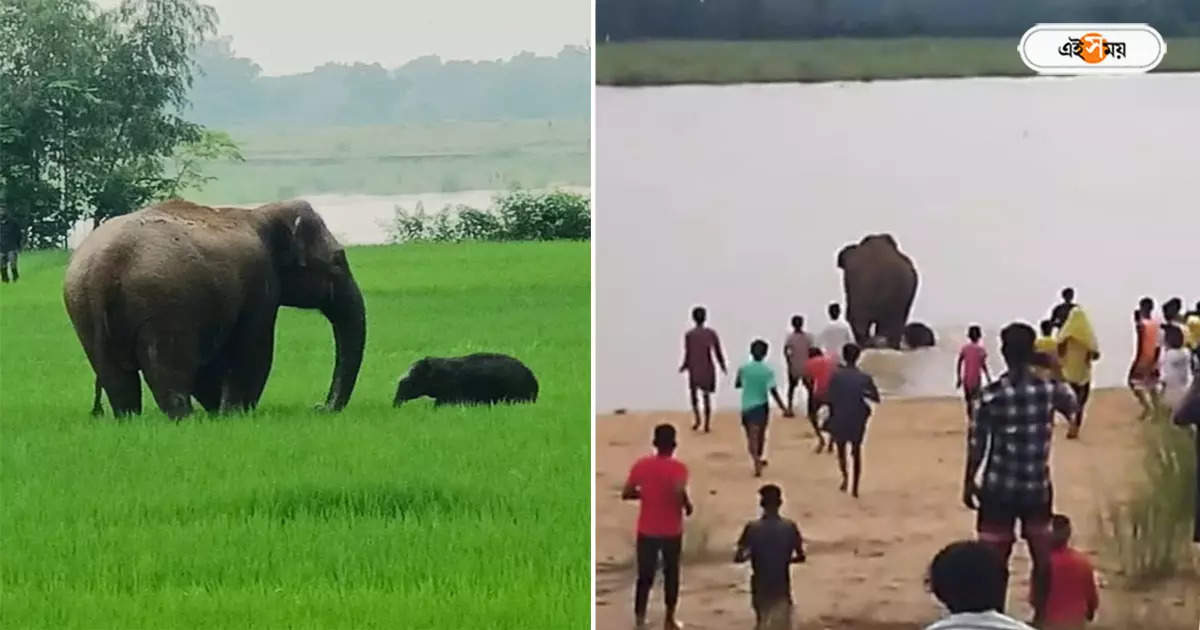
[849, 391]
[972, 367]
[659, 482]
[1078, 348]
[1013, 423]
[1143, 373]
[818, 371]
[1073, 598]
[795, 350]
[756, 379]
[971, 580]
[771, 544]
[700, 346]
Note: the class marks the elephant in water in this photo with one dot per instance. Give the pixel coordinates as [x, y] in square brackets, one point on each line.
[880, 284]
[187, 295]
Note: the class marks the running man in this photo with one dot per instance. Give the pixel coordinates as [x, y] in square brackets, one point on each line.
[795, 350]
[1058, 315]
[756, 379]
[659, 482]
[818, 371]
[700, 345]
[1014, 423]
[1143, 372]
[849, 391]
[1078, 348]
[771, 544]
[836, 334]
[971, 582]
[971, 367]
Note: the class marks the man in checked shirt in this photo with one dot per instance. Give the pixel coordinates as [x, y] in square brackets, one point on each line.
[1013, 423]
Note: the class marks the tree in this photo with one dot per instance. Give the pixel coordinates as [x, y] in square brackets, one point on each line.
[90, 106]
[189, 157]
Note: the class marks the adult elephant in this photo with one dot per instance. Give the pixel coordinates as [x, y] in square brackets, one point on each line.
[188, 296]
[880, 284]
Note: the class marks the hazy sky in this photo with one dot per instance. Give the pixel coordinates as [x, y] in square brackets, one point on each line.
[289, 36]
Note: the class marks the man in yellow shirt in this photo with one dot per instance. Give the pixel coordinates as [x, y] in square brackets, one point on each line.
[1078, 348]
[1046, 347]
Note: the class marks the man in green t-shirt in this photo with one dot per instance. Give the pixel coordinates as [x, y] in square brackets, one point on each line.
[756, 379]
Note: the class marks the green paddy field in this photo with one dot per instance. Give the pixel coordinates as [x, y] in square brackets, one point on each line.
[288, 518]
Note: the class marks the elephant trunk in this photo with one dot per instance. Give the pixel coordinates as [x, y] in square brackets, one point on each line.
[348, 316]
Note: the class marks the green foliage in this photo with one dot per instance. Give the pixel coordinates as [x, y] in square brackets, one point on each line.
[1150, 534]
[189, 157]
[90, 102]
[517, 216]
[374, 518]
[667, 62]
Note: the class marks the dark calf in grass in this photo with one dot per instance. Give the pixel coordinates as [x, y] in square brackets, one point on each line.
[476, 379]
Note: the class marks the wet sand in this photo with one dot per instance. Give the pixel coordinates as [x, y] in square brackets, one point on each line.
[866, 557]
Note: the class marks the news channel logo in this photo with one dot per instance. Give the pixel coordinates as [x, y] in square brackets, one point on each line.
[1075, 49]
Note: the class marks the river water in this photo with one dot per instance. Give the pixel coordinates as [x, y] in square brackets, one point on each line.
[364, 219]
[1002, 191]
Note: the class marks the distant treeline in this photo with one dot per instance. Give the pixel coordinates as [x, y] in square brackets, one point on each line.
[231, 90]
[618, 20]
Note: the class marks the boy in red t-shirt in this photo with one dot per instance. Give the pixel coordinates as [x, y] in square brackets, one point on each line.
[1073, 599]
[659, 482]
[818, 371]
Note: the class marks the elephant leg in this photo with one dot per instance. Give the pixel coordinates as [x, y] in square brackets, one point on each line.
[124, 389]
[170, 368]
[208, 386]
[251, 352]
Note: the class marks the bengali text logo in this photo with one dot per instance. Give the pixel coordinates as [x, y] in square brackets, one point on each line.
[1092, 48]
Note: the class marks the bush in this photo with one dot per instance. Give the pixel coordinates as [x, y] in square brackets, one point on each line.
[516, 216]
[1151, 534]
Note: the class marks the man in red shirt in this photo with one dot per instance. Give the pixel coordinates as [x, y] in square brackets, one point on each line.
[659, 482]
[1073, 599]
[818, 372]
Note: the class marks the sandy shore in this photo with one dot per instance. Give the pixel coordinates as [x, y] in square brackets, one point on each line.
[867, 557]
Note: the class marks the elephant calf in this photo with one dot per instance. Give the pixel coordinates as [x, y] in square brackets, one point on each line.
[482, 378]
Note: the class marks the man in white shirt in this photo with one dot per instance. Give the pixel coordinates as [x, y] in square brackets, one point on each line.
[836, 334]
[970, 580]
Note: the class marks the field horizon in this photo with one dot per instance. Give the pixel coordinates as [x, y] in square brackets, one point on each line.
[662, 62]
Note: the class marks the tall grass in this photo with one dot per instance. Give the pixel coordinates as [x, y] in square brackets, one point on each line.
[1150, 534]
[287, 518]
[665, 62]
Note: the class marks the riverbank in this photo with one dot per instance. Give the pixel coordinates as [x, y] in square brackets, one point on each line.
[669, 62]
[867, 557]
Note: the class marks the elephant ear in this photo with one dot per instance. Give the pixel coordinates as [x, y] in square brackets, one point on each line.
[887, 238]
[842, 257]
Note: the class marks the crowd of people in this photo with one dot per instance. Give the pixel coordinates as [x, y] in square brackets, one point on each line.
[1006, 482]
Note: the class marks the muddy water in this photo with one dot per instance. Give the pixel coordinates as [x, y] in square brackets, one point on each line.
[1002, 190]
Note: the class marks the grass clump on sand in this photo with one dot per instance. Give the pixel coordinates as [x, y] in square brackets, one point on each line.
[1150, 534]
[665, 62]
[287, 518]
